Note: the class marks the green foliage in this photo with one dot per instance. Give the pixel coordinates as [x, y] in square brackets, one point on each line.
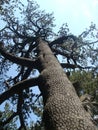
[87, 87]
[19, 34]
[87, 80]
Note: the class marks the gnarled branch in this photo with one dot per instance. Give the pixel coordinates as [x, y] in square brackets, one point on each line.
[62, 39]
[18, 60]
[17, 88]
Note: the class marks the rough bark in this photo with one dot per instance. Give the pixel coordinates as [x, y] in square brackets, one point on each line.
[63, 109]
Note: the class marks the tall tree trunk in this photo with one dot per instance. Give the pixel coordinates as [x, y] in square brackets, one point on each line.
[63, 109]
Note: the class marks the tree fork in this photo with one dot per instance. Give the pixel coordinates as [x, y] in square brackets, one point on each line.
[63, 109]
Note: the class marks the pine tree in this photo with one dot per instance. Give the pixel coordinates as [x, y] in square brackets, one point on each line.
[26, 42]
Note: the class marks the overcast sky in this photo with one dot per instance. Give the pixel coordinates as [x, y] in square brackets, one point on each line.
[77, 13]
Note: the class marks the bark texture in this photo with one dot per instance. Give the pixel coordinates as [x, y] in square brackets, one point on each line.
[62, 107]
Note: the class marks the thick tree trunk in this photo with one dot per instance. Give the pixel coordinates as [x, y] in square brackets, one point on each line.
[63, 109]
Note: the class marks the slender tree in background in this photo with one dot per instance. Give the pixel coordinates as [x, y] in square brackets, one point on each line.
[27, 41]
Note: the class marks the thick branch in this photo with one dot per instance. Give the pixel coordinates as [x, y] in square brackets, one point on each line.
[72, 66]
[62, 40]
[17, 88]
[68, 56]
[61, 53]
[18, 60]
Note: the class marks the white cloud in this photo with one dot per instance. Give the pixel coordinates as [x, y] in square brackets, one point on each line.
[77, 13]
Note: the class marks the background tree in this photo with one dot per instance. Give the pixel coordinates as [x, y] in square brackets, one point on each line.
[19, 37]
[85, 83]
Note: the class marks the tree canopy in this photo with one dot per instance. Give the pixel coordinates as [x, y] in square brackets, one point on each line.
[23, 25]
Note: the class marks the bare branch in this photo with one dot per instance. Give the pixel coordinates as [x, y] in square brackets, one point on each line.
[18, 87]
[87, 43]
[93, 42]
[3, 29]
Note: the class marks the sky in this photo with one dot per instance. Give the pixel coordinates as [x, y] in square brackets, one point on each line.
[77, 13]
